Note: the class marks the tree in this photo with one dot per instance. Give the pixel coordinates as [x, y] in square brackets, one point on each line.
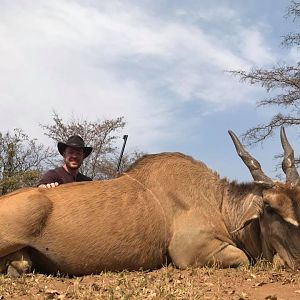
[109, 167]
[101, 135]
[281, 77]
[21, 160]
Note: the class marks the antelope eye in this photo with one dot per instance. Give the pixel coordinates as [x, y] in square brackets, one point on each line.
[268, 208]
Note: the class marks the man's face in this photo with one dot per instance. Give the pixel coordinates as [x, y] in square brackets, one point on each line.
[73, 157]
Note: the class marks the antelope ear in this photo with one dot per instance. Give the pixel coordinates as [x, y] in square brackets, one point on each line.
[249, 216]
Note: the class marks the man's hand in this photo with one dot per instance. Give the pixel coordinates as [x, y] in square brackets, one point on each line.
[49, 185]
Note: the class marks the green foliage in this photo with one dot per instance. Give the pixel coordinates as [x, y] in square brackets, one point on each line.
[21, 160]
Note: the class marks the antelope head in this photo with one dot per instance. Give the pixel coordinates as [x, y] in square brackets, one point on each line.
[278, 211]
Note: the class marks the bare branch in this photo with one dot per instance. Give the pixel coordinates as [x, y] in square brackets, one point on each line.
[101, 135]
[262, 131]
[282, 83]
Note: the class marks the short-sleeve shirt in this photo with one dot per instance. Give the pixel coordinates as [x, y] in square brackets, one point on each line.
[61, 176]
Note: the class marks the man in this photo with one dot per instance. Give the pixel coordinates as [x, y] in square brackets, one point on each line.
[74, 152]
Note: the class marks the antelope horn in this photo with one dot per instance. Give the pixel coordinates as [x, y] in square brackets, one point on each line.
[288, 163]
[252, 164]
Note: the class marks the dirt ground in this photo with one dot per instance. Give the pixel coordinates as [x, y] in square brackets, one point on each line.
[165, 283]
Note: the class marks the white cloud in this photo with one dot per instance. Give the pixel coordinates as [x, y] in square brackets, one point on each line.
[254, 48]
[110, 58]
[293, 55]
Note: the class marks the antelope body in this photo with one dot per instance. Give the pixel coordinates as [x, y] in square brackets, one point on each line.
[166, 207]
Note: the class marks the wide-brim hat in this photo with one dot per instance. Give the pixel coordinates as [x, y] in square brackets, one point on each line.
[74, 141]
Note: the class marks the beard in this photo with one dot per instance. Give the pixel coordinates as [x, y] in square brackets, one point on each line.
[73, 165]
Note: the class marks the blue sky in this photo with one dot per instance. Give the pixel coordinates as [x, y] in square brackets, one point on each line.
[160, 64]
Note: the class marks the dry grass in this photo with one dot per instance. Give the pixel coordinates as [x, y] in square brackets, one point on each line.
[166, 283]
